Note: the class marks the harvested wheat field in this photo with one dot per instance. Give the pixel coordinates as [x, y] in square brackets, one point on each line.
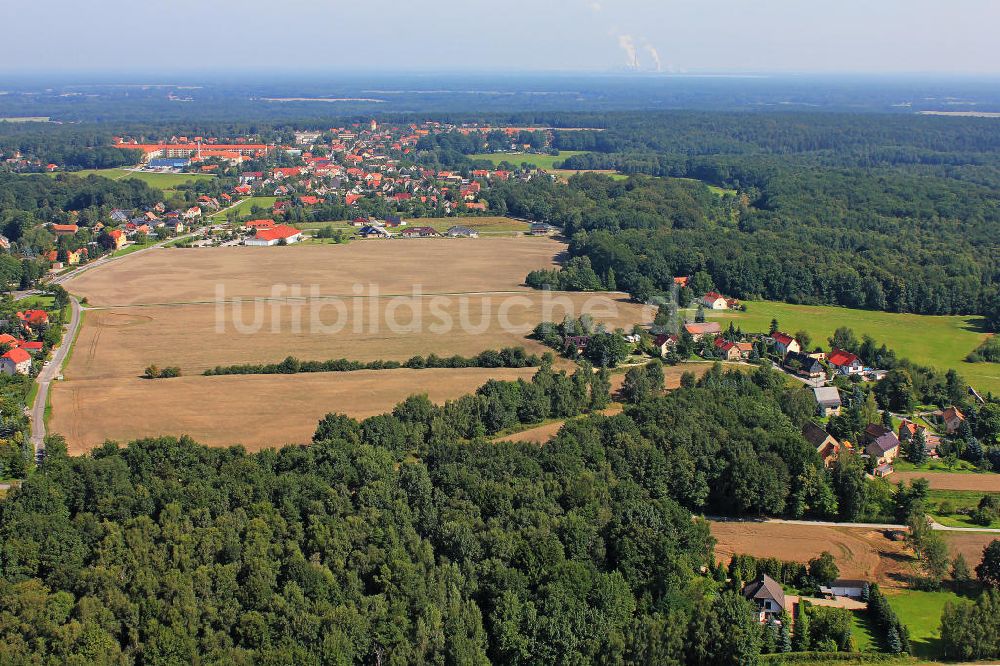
[161, 308]
[988, 482]
[860, 552]
[175, 275]
[120, 342]
[258, 411]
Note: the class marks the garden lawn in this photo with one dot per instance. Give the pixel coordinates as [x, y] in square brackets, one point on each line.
[959, 499]
[266, 204]
[864, 636]
[938, 341]
[921, 612]
[35, 301]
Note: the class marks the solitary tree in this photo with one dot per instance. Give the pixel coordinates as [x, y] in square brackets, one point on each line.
[988, 570]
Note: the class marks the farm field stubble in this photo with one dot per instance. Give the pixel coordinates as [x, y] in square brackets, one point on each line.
[178, 275]
[257, 411]
[160, 308]
[859, 552]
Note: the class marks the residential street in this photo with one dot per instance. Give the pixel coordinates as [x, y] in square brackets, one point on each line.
[48, 375]
[54, 368]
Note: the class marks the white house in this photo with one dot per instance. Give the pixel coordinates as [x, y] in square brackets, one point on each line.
[15, 362]
[274, 236]
[785, 344]
[714, 301]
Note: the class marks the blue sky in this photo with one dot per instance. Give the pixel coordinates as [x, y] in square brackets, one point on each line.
[853, 36]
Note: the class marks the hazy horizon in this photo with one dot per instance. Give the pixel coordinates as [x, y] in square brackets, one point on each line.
[777, 37]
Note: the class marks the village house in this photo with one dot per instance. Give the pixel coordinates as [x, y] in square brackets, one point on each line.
[826, 445]
[74, 257]
[845, 363]
[953, 419]
[462, 232]
[30, 346]
[664, 343]
[15, 361]
[733, 351]
[577, 343]
[699, 330]
[908, 431]
[33, 319]
[64, 229]
[419, 232]
[785, 344]
[881, 444]
[274, 236]
[828, 402]
[117, 238]
[713, 301]
[372, 231]
[766, 594]
[803, 366]
[541, 229]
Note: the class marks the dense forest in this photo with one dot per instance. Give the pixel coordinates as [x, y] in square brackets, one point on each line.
[881, 212]
[420, 547]
[898, 243]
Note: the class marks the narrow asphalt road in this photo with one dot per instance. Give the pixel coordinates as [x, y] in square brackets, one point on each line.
[48, 375]
[54, 368]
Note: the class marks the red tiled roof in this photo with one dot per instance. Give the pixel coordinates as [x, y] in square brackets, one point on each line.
[34, 316]
[784, 339]
[17, 355]
[840, 357]
[277, 233]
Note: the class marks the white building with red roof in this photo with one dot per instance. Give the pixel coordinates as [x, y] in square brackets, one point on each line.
[15, 361]
[274, 236]
[845, 362]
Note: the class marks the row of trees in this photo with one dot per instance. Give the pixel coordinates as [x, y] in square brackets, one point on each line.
[508, 357]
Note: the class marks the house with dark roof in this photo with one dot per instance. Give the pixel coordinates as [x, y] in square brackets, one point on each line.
[880, 443]
[371, 231]
[826, 445]
[419, 232]
[803, 366]
[766, 594]
[462, 232]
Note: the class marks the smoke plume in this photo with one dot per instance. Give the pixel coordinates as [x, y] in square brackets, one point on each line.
[627, 44]
[655, 55]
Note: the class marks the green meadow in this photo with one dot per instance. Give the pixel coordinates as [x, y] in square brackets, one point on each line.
[921, 612]
[167, 182]
[546, 162]
[936, 341]
[245, 207]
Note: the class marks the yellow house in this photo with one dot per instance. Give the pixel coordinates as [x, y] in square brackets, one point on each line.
[118, 238]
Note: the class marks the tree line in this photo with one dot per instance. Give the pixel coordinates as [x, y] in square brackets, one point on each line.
[508, 357]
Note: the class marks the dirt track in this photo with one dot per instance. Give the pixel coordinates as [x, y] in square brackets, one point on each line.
[860, 553]
[257, 411]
